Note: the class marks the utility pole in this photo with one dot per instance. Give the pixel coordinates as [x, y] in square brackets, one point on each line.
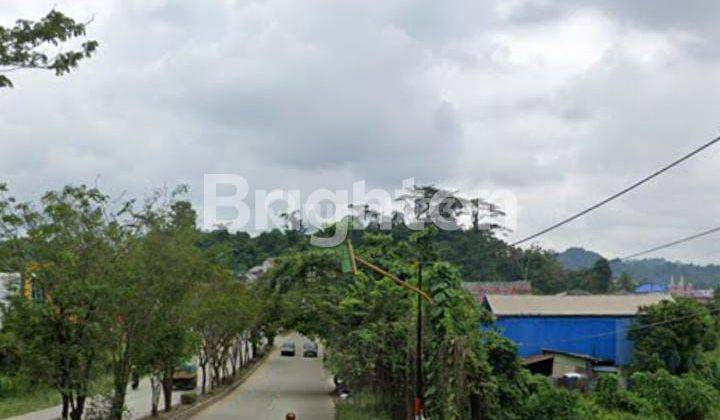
[419, 358]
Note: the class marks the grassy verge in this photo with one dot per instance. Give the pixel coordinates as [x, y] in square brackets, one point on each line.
[38, 399]
[41, 398]
[352, 410]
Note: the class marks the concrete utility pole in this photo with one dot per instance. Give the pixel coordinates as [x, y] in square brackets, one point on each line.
[419, 358]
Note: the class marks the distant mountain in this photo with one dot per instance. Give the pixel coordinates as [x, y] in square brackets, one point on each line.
[653, 270]
[577, 258]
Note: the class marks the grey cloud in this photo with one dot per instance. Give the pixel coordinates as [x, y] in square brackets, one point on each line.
[308, 95]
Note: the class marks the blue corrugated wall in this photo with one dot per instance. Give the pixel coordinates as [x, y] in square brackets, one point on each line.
[601, 337]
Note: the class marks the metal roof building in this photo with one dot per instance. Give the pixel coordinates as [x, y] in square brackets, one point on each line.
[595, 325]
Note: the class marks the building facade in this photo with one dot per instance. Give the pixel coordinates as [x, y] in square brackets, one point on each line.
[593, 325]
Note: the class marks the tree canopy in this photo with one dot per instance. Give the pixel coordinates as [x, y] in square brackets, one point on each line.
[26, 45]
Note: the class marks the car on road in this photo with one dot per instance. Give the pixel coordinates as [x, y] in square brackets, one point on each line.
[185, 376]
[288, 349]
[310, 349]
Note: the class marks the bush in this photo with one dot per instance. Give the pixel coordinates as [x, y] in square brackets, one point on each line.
[681, 396]
[549, 402]
[12, 385]
[351, 410]
[610, 396]
[188, 398]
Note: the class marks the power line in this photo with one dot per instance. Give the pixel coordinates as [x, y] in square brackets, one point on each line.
[673, 243]
[623, 192]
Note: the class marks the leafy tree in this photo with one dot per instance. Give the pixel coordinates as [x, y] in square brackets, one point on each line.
[672, 336]
[600, 277]
[25, 45]
[682, 397]
[155, 266]
[611, 396]
[549, 402]
[65, 252]
[222, 312]
[625, 283]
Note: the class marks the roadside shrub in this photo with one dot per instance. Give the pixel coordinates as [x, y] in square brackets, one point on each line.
[12, 385]
[188, 398]
[682, 396]
[549, 402]
[609, 395]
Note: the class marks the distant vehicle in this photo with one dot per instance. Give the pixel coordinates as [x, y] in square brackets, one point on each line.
[310, 349]
[185, 376]
[288, 349]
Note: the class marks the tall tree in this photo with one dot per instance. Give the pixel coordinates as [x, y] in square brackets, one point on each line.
[26, 44]
[156, 264]
[601, 277]
[65, 255]
[672, 336]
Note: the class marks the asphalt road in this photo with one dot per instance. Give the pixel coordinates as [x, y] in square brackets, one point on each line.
[280, 385]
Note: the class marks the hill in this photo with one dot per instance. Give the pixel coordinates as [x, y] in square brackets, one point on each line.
[654, 270]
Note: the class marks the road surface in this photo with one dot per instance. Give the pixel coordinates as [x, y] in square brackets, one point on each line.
[280, 385]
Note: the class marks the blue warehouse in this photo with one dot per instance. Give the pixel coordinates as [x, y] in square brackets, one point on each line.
[594, 325]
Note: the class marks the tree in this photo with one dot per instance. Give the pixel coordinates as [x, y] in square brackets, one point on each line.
[64, 251]
[25, 45]
[222, 312]
[683, 397]
[155, 266]
[625, 283]
[672, 336]
[600, 276]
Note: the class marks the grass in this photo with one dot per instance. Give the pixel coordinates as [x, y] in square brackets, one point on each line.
[352, 410]
[38, 399]
[43, 397]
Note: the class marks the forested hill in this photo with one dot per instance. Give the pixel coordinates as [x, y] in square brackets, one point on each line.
[656, 270]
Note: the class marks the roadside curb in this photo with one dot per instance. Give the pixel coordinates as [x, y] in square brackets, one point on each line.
[183, 412]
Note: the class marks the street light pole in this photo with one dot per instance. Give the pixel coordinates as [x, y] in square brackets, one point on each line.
[419, 358]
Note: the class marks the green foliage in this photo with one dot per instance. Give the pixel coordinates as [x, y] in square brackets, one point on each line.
[66, 252]
[25, 45]
[115, 289]
[625, 283]
[600, 277]
[23, 401]
[368, 326]
[188, 398]
[683, 397]
[609, 395]
[672, 336]
[354, 410]
[548, 402]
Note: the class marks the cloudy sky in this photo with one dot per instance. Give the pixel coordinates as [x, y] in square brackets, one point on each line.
[560, 103]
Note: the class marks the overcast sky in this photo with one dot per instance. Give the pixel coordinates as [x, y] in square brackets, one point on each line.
[559, 102]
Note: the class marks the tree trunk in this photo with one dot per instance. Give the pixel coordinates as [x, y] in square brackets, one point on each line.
[155, 383]
[65, 406]
[203, 366]
[167, 386]
[118, 402]
[77, 411]
[120, 380]
[216, 375]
